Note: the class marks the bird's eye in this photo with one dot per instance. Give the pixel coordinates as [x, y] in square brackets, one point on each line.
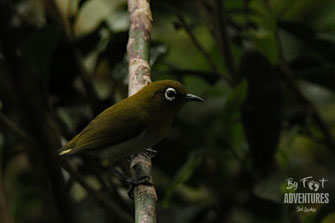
[170, 94]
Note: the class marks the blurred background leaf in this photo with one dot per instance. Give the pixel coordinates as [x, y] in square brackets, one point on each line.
[265, 69]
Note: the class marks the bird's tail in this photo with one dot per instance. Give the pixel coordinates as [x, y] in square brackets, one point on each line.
[68, 148]
[64, 152]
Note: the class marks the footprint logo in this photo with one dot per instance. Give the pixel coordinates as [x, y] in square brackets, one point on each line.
[314, 186]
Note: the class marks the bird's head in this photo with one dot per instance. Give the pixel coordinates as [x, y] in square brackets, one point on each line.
[166, 96]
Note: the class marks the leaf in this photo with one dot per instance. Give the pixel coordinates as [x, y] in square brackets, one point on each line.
[329, 218]
[88, 42]
[157, 52]
[264, 36]
[324, 47]
[305, 11]
[265, 41]
[262, 109]
[269, 188]
[235, 100]
[184, 173]
[314, 69]
[323, 76]
[115, 49]
[81, 3]
[232, 130]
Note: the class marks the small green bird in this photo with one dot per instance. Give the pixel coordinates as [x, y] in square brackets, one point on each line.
[134, 124]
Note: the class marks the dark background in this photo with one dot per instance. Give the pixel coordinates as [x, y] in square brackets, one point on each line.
[265, 69]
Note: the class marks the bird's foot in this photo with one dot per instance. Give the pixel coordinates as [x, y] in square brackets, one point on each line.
[151, 152]
[145, 180]
[148, 152]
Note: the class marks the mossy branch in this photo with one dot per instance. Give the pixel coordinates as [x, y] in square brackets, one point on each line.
[138, 49]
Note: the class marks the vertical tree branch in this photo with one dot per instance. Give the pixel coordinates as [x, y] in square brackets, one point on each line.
[139, 44]
[138, 49]
[5, 212]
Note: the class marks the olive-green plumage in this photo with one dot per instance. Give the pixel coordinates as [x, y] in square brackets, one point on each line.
[134, 124]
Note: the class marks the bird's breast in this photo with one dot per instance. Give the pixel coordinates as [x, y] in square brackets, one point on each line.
[137, 144]
[151, 135]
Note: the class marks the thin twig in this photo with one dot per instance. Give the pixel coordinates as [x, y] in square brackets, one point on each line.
[97, 195]
[109, 205]
[220, 35]
[83, 74]
[196, 42]
[209, 20]
[225, 43]
[287, 77]
[11, 126]
[39, 124]
[199, 47]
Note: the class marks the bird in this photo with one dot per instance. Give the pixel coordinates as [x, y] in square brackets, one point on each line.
[134, 124]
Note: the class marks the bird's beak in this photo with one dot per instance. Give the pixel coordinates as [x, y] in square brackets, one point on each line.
[192, 97]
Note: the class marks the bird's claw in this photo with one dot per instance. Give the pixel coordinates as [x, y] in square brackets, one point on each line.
[151, 152]
[145, 180]
[148, 152]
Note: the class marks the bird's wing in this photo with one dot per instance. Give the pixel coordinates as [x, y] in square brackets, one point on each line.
[111, 127]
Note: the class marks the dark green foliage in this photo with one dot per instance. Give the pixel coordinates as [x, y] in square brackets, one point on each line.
[261, 111]
[265, 69]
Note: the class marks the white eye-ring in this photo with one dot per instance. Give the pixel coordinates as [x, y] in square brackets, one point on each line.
[170, 94]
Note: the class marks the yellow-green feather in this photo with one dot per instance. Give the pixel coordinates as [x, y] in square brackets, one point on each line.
[126, 119]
